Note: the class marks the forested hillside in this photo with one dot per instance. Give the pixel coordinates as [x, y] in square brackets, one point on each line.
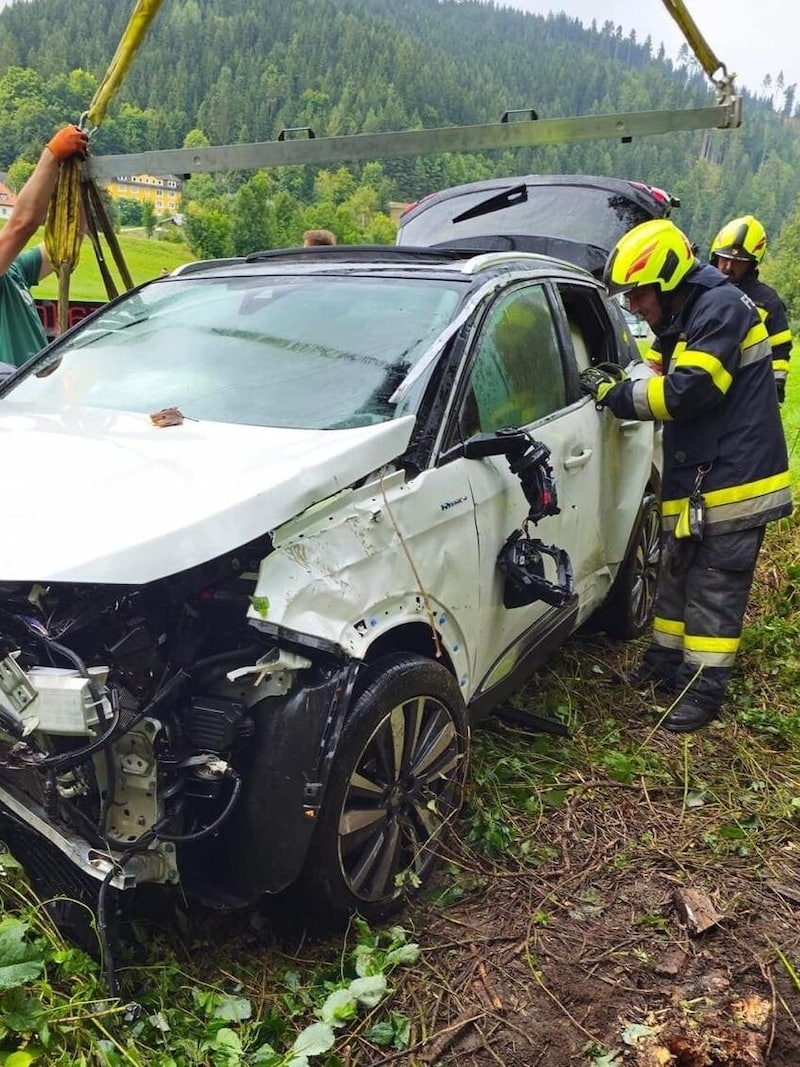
[241, 70]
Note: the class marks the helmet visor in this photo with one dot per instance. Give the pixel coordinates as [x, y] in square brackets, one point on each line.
[737, 254]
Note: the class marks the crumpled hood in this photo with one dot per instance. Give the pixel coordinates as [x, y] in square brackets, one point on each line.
[103, 496]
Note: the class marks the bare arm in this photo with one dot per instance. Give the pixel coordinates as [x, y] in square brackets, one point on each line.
[30, 210]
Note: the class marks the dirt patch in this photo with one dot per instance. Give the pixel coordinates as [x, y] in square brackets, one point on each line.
[594, 953]
[594, 976]
[586, 954]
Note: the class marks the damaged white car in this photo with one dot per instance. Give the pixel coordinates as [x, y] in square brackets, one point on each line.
[276, 530]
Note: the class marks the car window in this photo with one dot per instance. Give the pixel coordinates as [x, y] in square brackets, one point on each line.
[517, 376]
[629, 350]
[592, 338]
[312, 352]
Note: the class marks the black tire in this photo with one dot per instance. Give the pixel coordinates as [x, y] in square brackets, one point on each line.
[394, 791]
[628, 609]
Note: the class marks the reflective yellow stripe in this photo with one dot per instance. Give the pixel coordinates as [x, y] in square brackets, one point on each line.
[710, 364]
[656, 399]
[711, 651]
[709, 659]
[751, 489]
[755, 335]
[782, 338]
[682, 526]
[734, 494]
[780, 364]
[711, 644]
[678, 350]
[669, 626]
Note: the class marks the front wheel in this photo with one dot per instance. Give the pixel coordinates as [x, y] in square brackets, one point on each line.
[394, 790]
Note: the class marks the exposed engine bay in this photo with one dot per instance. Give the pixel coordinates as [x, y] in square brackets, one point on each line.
[129, 715]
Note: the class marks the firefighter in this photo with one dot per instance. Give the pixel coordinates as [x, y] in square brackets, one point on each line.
[725, 462]
[737, 251]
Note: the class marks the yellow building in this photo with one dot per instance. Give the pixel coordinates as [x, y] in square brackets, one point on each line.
[164, 193]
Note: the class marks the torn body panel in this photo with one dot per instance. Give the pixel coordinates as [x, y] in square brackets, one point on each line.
[371, 560]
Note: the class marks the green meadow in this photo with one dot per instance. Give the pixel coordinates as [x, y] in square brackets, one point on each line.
[145, 258]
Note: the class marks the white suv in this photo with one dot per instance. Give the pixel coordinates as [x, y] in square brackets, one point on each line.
[276, 530]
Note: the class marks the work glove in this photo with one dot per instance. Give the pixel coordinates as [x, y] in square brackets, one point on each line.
[68, 142]
[780, 385]
[598, 381]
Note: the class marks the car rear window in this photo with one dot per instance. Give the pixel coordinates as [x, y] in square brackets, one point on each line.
[579, 213]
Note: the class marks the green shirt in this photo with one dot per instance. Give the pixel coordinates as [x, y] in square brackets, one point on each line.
[21, 332]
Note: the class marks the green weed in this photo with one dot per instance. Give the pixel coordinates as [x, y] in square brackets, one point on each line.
[55, 1008]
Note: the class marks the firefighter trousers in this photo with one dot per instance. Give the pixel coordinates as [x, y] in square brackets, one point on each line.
[703, 589]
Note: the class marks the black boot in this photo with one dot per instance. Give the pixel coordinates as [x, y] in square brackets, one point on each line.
[644, 676]
[686, 717]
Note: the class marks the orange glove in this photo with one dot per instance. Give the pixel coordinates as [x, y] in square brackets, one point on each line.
[69, 142]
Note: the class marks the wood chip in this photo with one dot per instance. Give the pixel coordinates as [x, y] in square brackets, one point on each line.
[494, 999]
[752, 1011]
[671, 962]
[696, 910]
[445, 1038]
[167, 417]
[788, 892]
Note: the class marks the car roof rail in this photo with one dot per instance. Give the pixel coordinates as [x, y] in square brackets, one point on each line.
[203, 264]
[363, 253]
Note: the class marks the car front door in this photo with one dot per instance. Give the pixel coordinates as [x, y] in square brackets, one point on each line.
[520, 373]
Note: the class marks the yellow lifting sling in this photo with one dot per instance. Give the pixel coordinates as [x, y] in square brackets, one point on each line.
[63, 227]
[697, 42]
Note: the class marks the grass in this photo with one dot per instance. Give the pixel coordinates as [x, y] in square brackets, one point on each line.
[569, 852]
[791, 416]
[145, 258]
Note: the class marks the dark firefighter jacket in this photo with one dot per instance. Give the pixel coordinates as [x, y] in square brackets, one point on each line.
[773, 314]
[719, 407]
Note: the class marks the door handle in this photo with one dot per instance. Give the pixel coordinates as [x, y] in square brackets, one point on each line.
[580, 460]
[629, 425]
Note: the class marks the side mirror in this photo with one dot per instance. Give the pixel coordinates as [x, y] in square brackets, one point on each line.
[529, 459]
[510, 442]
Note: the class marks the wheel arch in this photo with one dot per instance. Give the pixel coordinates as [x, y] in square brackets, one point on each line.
[413, 637]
